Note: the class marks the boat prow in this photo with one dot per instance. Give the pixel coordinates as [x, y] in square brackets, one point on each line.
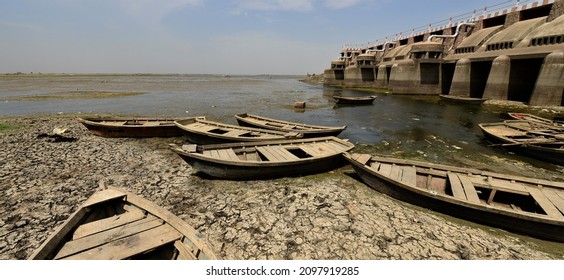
[116, 224]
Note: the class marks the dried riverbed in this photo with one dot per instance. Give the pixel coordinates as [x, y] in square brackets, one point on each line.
[326, 216]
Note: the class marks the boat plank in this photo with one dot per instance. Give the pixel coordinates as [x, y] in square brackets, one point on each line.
[395, 172]
[311, 150]
[469, 188]
[130, 246]
[385, 169]
[107, 223]
[235, 133]
[544, 203]
[184, 252]
[456, 186]
[557, 200]
[282, 152]
[363, 158]
[265, 151]
[409, 176]
[78, 245]
[228, 154]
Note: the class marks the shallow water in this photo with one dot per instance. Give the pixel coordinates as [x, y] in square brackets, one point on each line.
[406, 126]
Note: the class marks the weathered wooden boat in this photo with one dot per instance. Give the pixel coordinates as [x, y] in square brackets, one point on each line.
[263, 160]
[535, 118]
[462, 100]
[199, 131]
[115, 224]
[360, 100]
[132, 127]
[308, 130]
[544, 142]
[523, 205]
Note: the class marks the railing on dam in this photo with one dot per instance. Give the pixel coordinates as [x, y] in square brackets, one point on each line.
[473, 16]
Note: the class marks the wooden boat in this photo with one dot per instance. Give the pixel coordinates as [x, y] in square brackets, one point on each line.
[544, 142]
[462, 100]
[132, 127]
[115, 224]
[199, 131]
[529, 206]
[354, 99]
[534, 118]
[307, 130]
[262, 160]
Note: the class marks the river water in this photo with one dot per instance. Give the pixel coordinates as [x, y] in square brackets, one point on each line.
[416, 127]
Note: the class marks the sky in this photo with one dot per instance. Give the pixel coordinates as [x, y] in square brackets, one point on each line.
[247, 37]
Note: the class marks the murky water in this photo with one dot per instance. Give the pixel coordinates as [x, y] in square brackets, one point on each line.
[405, 126]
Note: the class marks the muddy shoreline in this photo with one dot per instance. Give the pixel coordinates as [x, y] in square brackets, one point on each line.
[318, 217]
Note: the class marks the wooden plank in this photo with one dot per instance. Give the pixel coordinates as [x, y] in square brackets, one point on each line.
[456, 186]
[409, 176]
[215, 154]
[227, 154]
[557, 200]
[395, 172]
[76, 246]
[107, 223]
[184, 253]
[268, 154]
[544, 203]
[311, 150]
[130, 246]
[235, 133]
[285, 154]
[207, 153]
[363, 158]
[469, 188]
[385, 169]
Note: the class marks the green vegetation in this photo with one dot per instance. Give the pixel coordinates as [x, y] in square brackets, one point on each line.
[74, 95]
[8, 126]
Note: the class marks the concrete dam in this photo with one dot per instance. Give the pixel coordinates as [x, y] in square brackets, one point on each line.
[514, 53]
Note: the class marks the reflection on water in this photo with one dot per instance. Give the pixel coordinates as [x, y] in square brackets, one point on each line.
[405, 126]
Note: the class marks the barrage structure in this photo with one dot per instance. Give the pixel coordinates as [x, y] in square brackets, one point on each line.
[515, 53]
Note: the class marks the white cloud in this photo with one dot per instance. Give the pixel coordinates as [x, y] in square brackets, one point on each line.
[275, 5]
[340, 4]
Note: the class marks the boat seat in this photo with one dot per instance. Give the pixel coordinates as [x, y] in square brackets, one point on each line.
[274, 153]
[545, 203]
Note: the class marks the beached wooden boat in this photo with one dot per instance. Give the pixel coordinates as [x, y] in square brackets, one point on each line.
[262, 160]
[535, 118]
[544, 142]
[132, 127]
[360, 100]
[528, 206]
[115, 224]
[200, 131]
[462, 100]
[308, 130]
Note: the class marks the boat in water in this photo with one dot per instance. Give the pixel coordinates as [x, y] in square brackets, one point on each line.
[351, 100]
[530, 206]
[462, 100]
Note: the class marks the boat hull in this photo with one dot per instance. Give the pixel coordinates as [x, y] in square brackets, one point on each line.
[544, 153]
[306, 133]
[166, 128]
[354, 100]
[115, 224]
[487, 216]
[462, 100]
[258, 171]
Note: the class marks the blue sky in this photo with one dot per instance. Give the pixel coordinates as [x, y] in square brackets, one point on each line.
[203, 36]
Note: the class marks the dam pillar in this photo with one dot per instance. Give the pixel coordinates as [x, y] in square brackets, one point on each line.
[549, 88]
[401, 78]
[497, 87]
[382, 77]
[462, 79]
